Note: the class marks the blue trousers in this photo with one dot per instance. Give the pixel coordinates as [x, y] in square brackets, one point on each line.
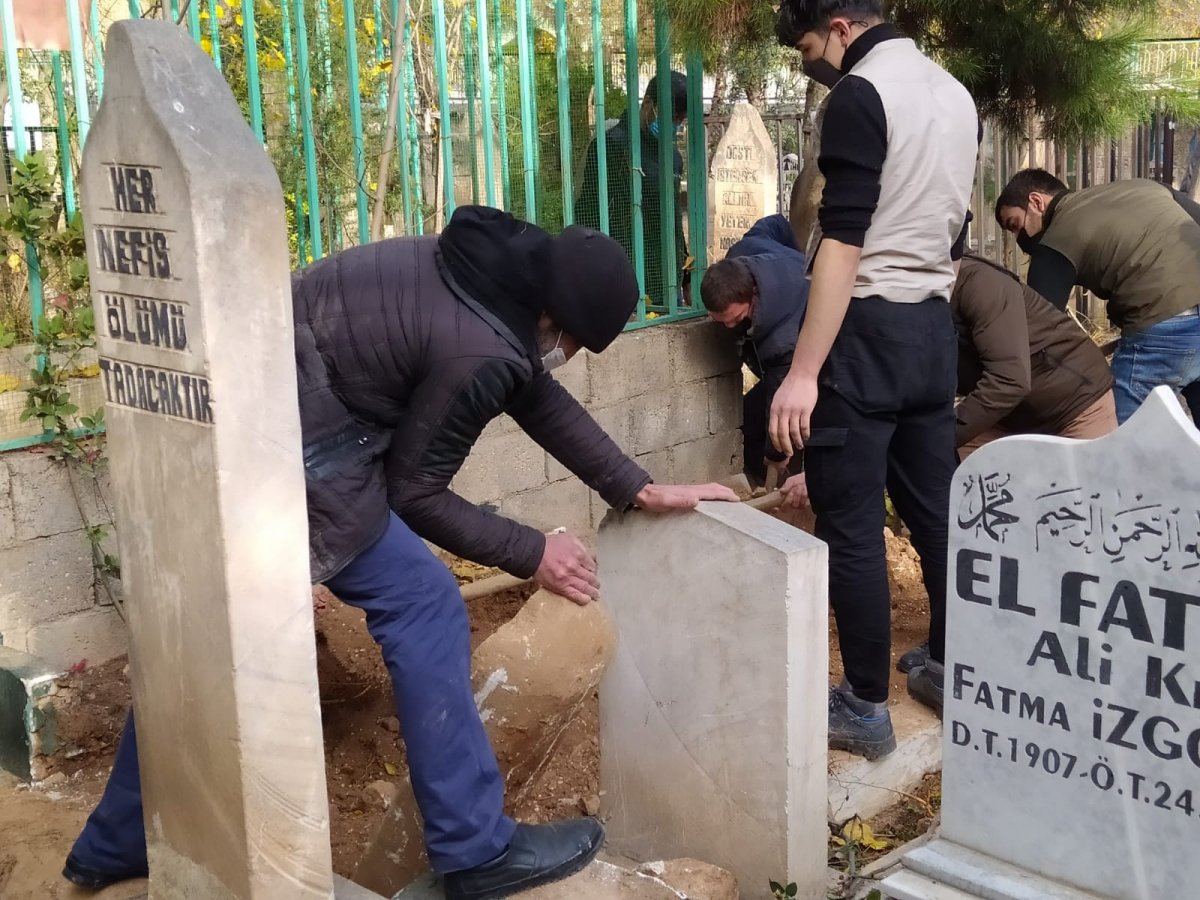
[1164, 354]
[416, 614]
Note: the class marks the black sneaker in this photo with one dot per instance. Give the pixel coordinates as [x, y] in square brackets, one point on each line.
[913, 658]
[870, 737]
[926, 684]
[537, 855]
[93, 879]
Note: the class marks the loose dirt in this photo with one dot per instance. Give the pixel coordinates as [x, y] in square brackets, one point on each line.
[362, 743]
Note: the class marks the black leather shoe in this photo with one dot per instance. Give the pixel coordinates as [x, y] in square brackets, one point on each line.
[537, 855]
[93, 879]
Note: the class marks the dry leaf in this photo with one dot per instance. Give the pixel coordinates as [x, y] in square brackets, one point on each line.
[391, 769]
[861, 833]
[8, 383]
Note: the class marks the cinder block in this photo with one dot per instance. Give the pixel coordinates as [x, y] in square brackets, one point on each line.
[659, 464]
[666, 418]
[615, 421]
[638, 362]
[701, 350]
[8, 530]
[709, 459]
[724, 403]
[574, 376]
[562, 504]
[44, 579]
[27, 716]
[96, 635]
[42, 501]
[503, 460]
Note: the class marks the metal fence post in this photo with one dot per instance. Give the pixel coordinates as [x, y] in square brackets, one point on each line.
[600, 81]
[350, 26]
[665, 101]
[633, 93]
[564, 112]
[441, 65]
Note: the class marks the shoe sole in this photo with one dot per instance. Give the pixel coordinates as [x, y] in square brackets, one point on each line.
[97, 882]
[927, 700]
[563, 872]
[904, 668]
[868, 750]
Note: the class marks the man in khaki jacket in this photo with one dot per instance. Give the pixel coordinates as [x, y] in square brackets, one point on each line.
[1135, 244]
[1024, 367]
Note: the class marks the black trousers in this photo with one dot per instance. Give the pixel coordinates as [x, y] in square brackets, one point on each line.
[884, 419]
[754, 434]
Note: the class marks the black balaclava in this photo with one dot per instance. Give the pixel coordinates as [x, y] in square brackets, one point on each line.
[593, 289]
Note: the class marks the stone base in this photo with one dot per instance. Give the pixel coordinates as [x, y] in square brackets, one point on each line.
[681, 879]
[27, 719]
[943, 870]
[858, 787]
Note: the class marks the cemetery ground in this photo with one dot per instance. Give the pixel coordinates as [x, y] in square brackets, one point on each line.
[363, 756]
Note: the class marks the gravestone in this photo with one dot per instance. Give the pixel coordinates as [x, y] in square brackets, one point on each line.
[713, 715]
[187, 249]
[1072, 729]
[743, 183]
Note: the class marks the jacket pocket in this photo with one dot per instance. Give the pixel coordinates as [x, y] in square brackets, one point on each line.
[356, 445]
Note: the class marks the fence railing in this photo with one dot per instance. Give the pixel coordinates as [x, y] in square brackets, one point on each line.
[383, 115]
[381, 118]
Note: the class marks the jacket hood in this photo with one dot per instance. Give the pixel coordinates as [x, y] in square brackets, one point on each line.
[581, 279]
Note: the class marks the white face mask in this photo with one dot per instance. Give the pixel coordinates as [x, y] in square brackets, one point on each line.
[556, 357]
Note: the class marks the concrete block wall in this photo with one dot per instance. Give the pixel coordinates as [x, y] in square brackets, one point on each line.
[669, 396]
[51, 605]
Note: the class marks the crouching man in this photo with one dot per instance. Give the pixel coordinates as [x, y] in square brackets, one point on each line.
[760, 289]
[405, 350]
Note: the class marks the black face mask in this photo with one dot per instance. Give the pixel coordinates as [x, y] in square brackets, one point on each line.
[822, 71]
[1026, 242]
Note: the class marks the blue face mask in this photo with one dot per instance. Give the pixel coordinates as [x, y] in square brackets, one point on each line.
[654, 129]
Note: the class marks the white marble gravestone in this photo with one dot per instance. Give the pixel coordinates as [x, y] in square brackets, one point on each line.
[743, 183]
[1072, 719]
[187, 248]
[713, 723]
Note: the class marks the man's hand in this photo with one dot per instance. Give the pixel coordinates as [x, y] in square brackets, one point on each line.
[568, 569]
[791, 412]
[667, 497]
[795, 492]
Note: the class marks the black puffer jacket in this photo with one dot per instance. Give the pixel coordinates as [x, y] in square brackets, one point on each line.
[398, 375]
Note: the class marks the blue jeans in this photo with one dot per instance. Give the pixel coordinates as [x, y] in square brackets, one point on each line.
[416, 614]
[1164, 354]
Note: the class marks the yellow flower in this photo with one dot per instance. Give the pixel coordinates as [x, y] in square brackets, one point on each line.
[8, 383]
[220, 12]
[14, 261]
[369, 26]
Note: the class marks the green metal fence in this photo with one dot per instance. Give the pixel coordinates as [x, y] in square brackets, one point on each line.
[382, 116]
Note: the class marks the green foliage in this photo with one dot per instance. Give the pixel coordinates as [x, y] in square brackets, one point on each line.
[65, 334]
[779, 892]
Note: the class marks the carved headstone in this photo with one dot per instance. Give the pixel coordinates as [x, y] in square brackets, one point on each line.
[743, 184]
[1072, 728]
[187, 248]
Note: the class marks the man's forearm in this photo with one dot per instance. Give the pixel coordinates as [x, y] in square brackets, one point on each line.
[833, 279]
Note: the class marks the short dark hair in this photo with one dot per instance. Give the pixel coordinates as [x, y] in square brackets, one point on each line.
[679, 94]
[797, 18]
[1020, 186]
[726, 282]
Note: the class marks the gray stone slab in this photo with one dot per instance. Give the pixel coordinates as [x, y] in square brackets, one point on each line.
[961, 872]
[713, 713]
[1072, 734]
[187, 247]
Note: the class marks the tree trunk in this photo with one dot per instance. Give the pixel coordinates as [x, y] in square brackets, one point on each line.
[1191, 174]
[809, 184]
[720, 88]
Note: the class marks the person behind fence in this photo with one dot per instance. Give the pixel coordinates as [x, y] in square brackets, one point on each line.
[870, 393]
[405, 350]
[1134, 243]
[760, 288]
[619, 170]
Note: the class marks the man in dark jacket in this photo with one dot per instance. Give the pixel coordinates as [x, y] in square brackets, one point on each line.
[664, 278]
[1134, 244]
[405, 350]
[761, 289]
[1023, 366]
